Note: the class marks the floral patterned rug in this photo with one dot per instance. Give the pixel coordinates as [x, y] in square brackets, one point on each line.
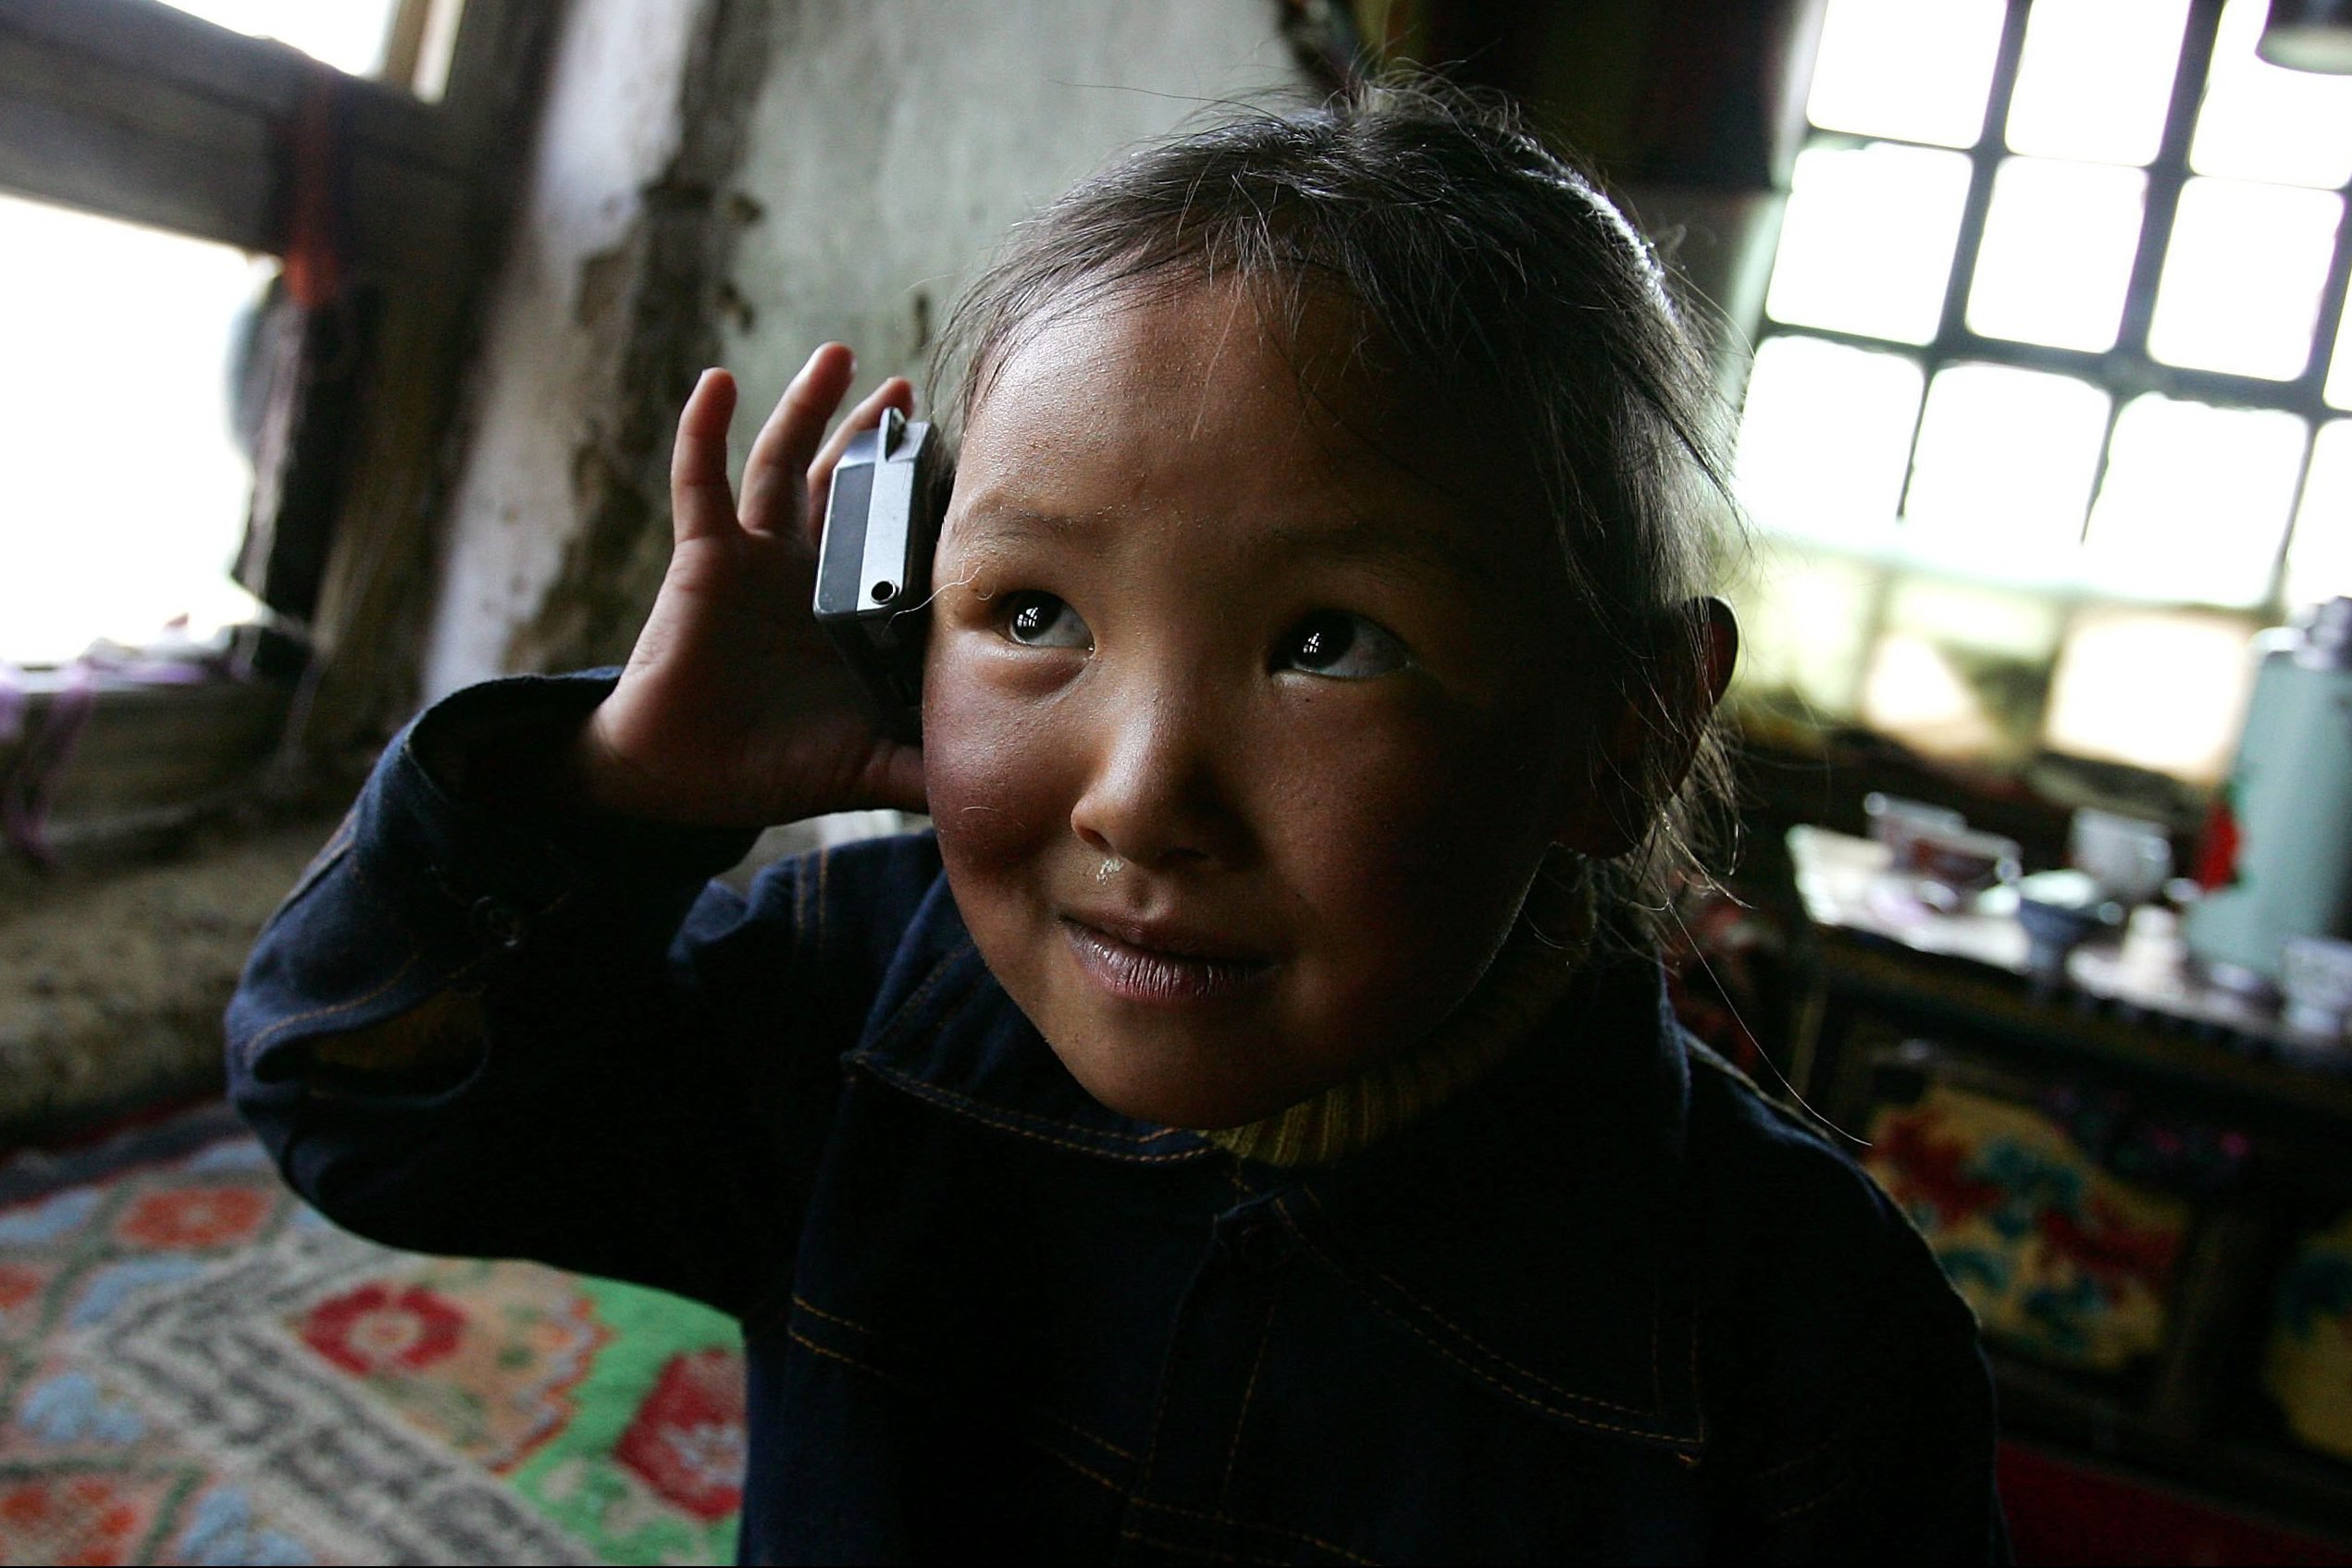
[195, 1367]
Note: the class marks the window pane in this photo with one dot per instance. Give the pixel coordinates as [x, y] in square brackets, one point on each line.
[2004, 468]
[2195, 503]
[2339, 387]
[2057, 253]
[2095, 77]
[2159, 691]
[122, 496]
[1919, 693]
[1825, 436]
[2242, 278]
[346, 34]
[1802, 624]
[1959, 671]
[2319, 560]
[1867, 246]
[1918, 70]
[2260, 121]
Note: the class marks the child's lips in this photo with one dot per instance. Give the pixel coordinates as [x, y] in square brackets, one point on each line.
[1162, 965]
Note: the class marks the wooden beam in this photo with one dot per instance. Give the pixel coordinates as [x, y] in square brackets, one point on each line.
[131, 109]
[159, 45]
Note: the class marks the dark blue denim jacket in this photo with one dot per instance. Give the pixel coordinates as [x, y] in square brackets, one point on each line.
[1609, 1305]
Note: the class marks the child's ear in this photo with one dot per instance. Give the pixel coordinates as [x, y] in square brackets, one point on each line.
[1647, 738]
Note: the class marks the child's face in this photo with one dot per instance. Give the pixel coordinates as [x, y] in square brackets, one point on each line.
[1243, 746]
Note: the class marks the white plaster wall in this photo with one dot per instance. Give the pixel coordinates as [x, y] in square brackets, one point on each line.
[891, 144]
[550, 354]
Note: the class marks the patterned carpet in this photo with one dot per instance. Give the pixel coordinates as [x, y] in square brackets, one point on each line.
[195, 1367]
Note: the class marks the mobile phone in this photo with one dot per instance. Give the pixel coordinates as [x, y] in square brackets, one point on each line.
[873, 567]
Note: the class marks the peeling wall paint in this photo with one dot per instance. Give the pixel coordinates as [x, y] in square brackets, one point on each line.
[892, 158]
[734, 181]
[550, 373]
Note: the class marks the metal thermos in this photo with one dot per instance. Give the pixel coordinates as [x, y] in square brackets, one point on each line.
[2279, 847]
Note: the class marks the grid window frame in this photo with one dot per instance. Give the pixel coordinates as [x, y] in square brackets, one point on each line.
[2126, 370]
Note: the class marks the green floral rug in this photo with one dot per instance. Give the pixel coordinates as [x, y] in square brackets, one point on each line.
[195, 1367]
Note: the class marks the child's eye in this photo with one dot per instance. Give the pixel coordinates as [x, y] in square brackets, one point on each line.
[1344, 647]
[1040, 620]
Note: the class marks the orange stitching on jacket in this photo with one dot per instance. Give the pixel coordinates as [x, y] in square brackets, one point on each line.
[921, 994]
[1249, 1391]
[1843, 1482]
[448, 983]
[1228, 1519]
[806, 1343]
[990, 1116]
[1091, 1475]
[1129, 1533]
[1494, 1382]
[813, 1311]
[1094, 1438]
[1805, 1457]
[253, 1042]
[1475, 1343]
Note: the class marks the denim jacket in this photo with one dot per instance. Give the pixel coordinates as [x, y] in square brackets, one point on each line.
[1608, 1305]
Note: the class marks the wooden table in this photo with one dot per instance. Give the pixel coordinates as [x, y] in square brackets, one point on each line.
[1896, 984]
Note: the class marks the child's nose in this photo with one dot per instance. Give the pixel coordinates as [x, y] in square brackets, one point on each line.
[1152, 795]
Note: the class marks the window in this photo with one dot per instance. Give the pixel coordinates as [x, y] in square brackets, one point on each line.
[2053, 406]
[146, 155]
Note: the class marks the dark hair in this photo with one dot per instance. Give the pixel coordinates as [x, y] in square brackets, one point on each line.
[1478, 260]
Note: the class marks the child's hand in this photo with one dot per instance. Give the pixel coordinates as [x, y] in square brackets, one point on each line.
[734, 709]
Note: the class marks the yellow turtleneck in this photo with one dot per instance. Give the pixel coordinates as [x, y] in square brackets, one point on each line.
[1538, 963]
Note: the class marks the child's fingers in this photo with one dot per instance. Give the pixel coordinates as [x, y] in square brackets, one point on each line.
[899, 394]
[786, 443]
[700, 504]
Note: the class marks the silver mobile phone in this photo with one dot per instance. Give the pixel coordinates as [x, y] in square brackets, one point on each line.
[873, 568]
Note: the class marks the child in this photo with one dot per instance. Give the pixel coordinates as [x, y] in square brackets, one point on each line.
[1259, 1135]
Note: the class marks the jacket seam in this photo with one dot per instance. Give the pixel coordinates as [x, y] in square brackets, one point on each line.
[1805, 1457]
[1133, 1535]
[802, 1304]
[930, 982]
[1094, 1438]
[893, 1379]
[1249, 1392]
[1087, 1470]
[1483, 1348]
[1803, 1508]
[253, 1042]
[250, 1046]
[990, 1116]
[1499, 1385]
[338, 843]
[1226, 1518]
[872, 1057]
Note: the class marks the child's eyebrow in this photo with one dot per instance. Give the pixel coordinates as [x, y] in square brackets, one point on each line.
[1416, 545]
[1377, 540]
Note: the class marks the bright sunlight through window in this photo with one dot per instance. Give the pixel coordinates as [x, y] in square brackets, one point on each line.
[346, 34]
[124, 494]
[2057, 310]
[125, 491]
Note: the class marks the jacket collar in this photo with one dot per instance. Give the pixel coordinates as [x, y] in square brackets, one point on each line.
[1532, 1231]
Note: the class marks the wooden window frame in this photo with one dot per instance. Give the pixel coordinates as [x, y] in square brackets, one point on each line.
[133, 110]
[2127, 369]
